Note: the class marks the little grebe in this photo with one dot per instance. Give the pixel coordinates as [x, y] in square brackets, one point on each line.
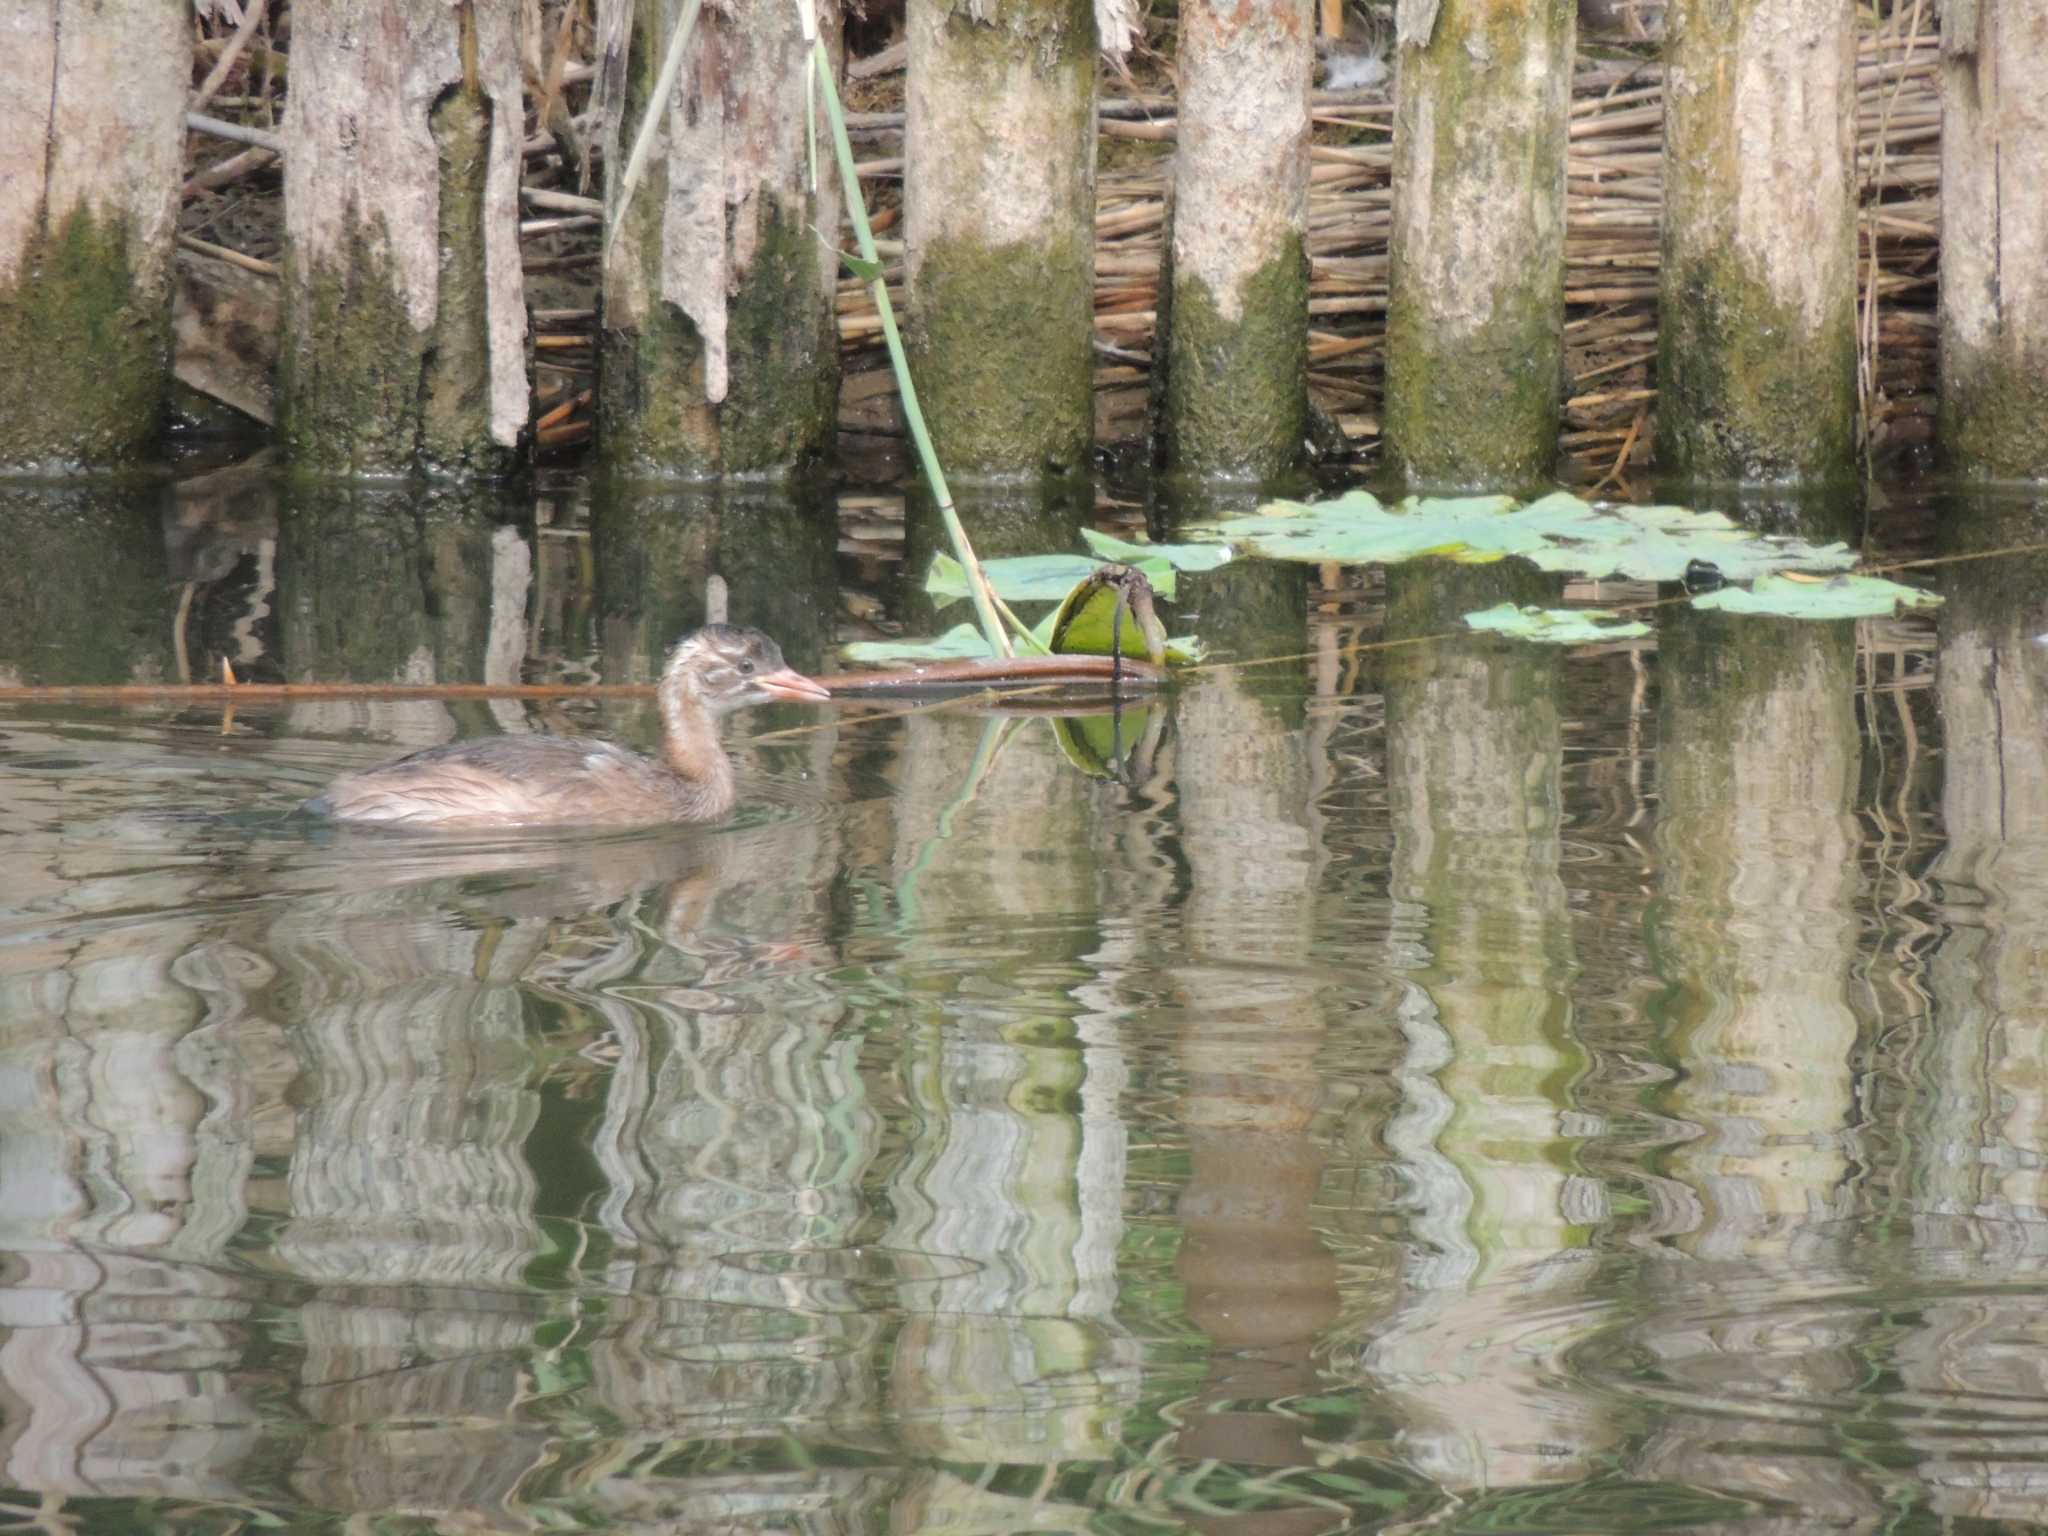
[527, 781]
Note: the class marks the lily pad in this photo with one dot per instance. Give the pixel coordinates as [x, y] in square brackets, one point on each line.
[1837, 597]
[1182, 557]
[1034, 578]
[963, 642]
[1559, 532]
[1556, 626]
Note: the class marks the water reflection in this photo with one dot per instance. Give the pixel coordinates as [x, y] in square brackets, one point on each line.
[1449, 1082]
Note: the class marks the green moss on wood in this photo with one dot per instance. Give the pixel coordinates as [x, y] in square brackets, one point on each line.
[782, 350]
[455, 413]
[349, 374]
[780, 409]
[88, 347]
[1000, 341]
[1747, 387]
[1479, 407]
[652, 417]
[1236, 390]
[1479, 404]
[1993, 421]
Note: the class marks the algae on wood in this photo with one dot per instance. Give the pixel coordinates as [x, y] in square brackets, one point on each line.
[1756, 357]
[999, 208]
[405, 314]
[719, 353]
[1475, 312]
[92, 103]
[1233, 358]
[1993, 418]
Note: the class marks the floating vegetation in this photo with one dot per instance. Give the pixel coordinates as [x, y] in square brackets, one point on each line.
[1556, 626]
[963, 642]
[1559, 532]
[1835, 597]
[1755, 573]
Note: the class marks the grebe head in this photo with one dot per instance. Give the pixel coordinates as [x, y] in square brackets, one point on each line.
[726, 667]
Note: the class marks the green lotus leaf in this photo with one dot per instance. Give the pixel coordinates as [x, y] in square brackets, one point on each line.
[1182, 557]
[1556, 626]
[963, 642]
[1559, 532]
[1838, 597]
[1034, 578]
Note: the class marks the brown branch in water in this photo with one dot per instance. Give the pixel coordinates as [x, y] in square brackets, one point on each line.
[1021, 672]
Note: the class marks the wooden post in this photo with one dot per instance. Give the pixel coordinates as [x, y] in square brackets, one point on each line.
[1994, 239]
[999, 211]
[1756, 357]
[405, 314]
[1475, 314]
[1233, 353]
[91, 145]
[720, 353]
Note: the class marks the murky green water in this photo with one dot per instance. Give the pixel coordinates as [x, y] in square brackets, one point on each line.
[1451, 1086]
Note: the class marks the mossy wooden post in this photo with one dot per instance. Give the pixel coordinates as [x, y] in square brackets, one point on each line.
[405, 311]
[1475, 310]
[1994, 239]
[92, 111]
[999, 230]
[1756, 336]
[1235, 355]
[719, 351]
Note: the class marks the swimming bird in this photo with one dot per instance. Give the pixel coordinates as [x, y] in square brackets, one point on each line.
[552, 781]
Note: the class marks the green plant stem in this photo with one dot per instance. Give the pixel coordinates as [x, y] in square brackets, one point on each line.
[984, 596]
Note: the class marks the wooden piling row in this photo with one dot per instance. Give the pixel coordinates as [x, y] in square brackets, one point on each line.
[1722, 334]
[1613, 227]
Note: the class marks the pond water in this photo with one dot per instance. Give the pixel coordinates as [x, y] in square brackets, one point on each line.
[1438, 1084]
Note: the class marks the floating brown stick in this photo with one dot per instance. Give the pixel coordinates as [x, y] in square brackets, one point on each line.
[1014, 672]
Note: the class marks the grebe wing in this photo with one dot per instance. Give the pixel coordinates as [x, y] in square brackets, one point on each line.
[505, 781]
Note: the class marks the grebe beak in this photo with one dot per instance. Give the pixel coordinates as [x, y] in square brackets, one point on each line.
[792, 685]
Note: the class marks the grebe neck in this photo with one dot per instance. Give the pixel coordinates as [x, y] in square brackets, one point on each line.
[690, 745]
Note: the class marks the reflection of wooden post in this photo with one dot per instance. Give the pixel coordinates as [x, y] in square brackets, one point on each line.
[720, 353]
[354, 565]
[86, 594]
[1980, 1117]
[1977, 1146]
[405, 308]
[999, 226]
[1994, 238]
[408, 1182]
[1014, 1167]
[1475, 313]
[92, 109]
[1475, 749]
[1757, 770]
[1235, 351]
[1756, 356]
[1260, 1280]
